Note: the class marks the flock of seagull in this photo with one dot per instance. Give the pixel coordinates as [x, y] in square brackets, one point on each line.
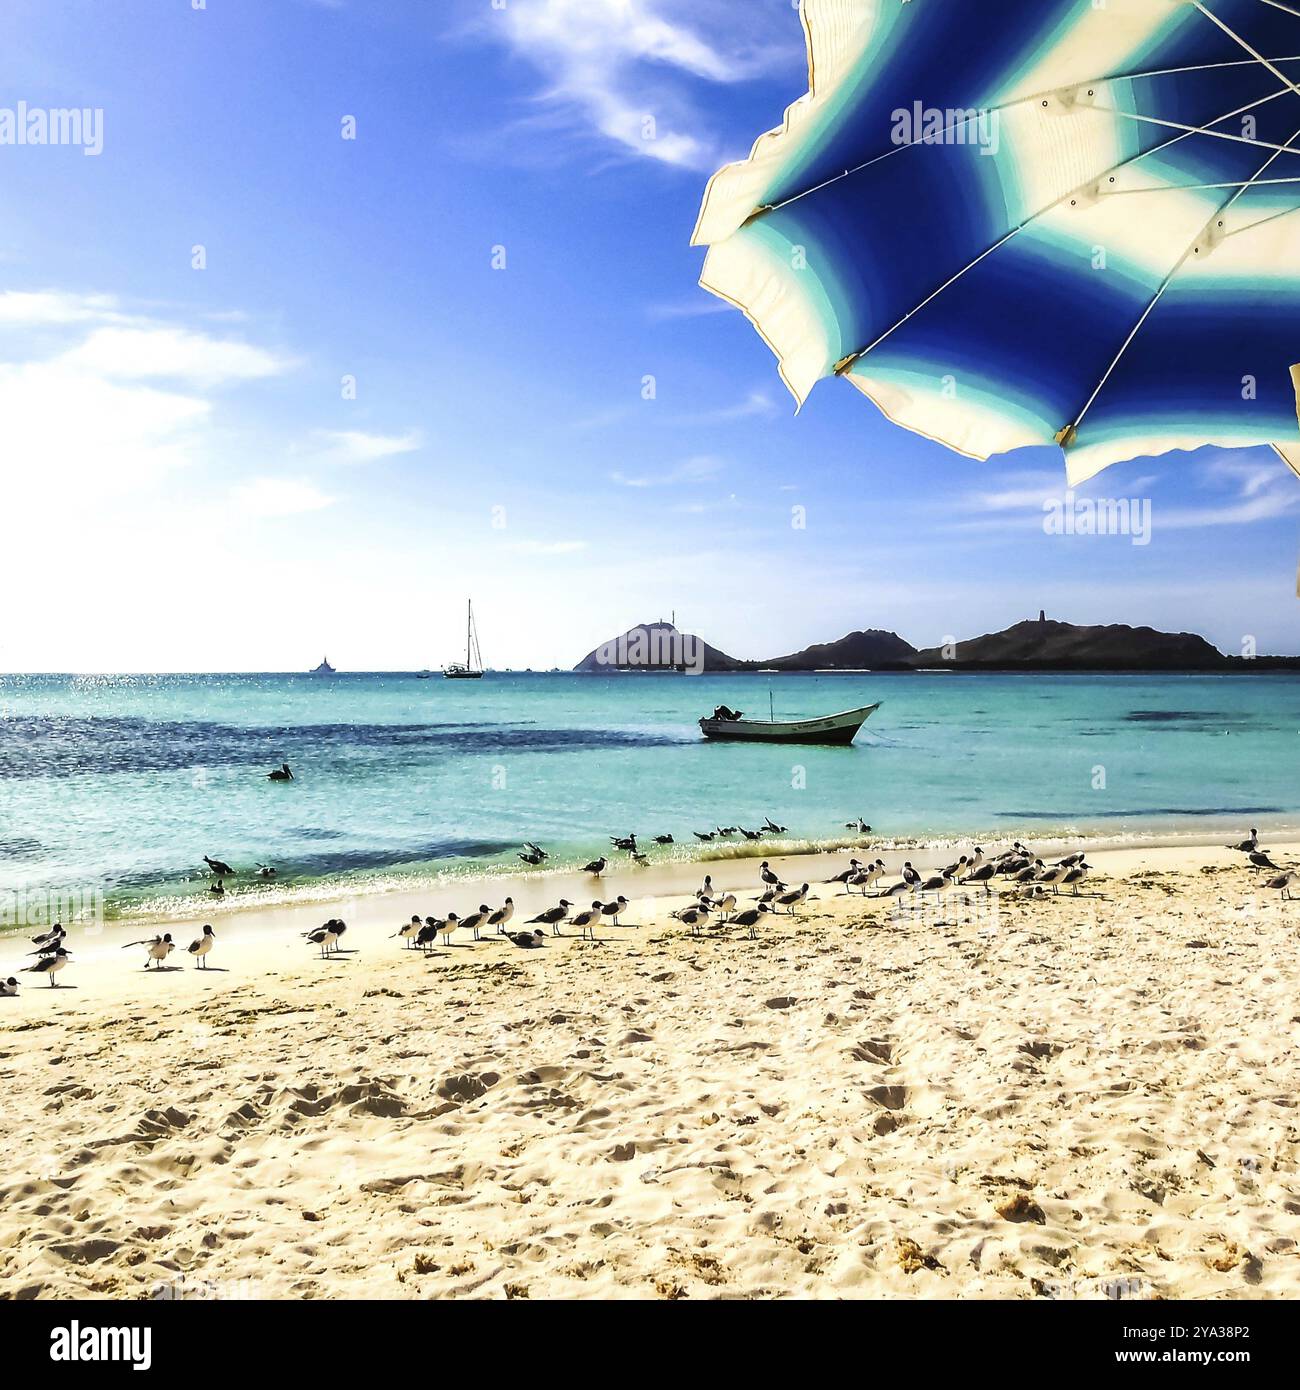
[1018, 868]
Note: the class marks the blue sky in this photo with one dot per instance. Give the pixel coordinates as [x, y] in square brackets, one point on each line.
[188, 488]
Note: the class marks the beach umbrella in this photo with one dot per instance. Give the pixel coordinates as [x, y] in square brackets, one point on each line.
[1034, 222]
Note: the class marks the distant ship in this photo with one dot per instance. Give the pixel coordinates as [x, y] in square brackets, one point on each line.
[471, 669]
[325, 669]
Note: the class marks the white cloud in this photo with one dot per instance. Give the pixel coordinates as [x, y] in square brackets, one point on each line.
[358, 446]
[41, 308]
[610, 62]
[273, 497]
[169, 353]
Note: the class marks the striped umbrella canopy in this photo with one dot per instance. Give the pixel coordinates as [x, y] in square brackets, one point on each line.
[1027, 222]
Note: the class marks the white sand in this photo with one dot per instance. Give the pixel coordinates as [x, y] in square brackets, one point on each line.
[1070, 1097]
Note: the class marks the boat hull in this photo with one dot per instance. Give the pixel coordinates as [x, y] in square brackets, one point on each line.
[462, 675]
[834, 729]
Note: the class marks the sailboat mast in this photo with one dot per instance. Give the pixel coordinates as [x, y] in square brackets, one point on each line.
[469, 636]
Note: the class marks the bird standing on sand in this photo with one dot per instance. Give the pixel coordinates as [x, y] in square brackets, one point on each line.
[693, 917]
[476, 920]
[1260, 860]
[750, 918]
[553, 916]
[597, 866]
[8, 988]
[411, 931]
[846, 874]
[586, 920]
[501, 916]
[160, 947]
[614, 909]
[219, 869]
[792, 899]
[446, 927]
[1247, 846]
[1054, 876]
[200, 947]
[49, 939]
[1075, 875]
[983, 874]
[426, 938]
[910, 875]
[938, 884]
[326, 936]
[725, 905]
[768, 877]
[958, 869]
[705, 890]
[49, 966]
[1284, 883]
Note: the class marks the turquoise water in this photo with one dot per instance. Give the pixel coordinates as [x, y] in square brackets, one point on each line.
[119, 785]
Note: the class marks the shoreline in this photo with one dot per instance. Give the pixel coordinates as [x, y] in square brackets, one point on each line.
[534, 890]
[439, 885]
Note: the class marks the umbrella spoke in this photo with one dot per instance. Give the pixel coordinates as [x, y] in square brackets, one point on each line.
[1245, 43]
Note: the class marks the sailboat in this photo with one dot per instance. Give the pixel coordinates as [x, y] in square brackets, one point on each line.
[471, 669]
[324, 669]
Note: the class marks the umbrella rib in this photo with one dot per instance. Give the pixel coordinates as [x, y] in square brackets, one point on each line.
[1216, 134]
[1287, 9]
[1070, 432]
[1245, 43]
[1196, 187]
[765, 208]
[846, 362]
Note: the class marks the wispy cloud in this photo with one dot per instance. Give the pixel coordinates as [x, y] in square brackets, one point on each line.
[534, 547]
[625, 69]
[168, 353]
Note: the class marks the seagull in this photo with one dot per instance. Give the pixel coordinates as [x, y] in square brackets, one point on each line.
[701, 835]
[553, 916]
[586, 920]
[641, 860]
[49, 939]
[411, 931]
[502, 915]
[938, 883]
[705, 890]
[751, 834]
[956, 870]
[219, 870]
[1029, 873]
[535, 849]
[693, 917]
[427, 937]
[975, 860]
[855, 865]
[859, 825]
[726, 905]
[750, 918]
[531, 857]
[8, 988]
[983, 875]
[1261, 860]
[869, 876]
[612, 910]
[200, 947]
[597, 866]
[910, 875]
[663, 839]
[218, 888]
[773, 828]
[1285, 882]
[160, 947]
[1247, 846]
[768, 877]
[476, 919]
[793, 899]
[725, 830]
[1075, 875]
[627, 842]
[265, 871]
[446, 927]
[49, 965]
[1055, 876]
[527, 940]
[897, 890]
[327, 936]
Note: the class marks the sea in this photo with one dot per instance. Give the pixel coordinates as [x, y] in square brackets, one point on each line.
[113, 788]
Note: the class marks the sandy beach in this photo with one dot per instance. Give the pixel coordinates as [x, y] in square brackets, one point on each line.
[1065, 1097]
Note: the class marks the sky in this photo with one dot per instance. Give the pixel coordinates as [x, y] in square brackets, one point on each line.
[269, 393]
